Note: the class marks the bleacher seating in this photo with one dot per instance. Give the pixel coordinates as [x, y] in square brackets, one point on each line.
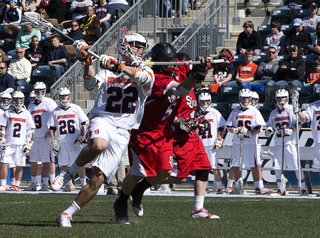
[305, 94]
[281, 15]
[286, 28]
[230, 94]
[223, 108]
[264, 30]
[265, 109]
[43, 75]
[237, 59]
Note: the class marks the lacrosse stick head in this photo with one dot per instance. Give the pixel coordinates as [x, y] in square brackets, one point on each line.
[244, 98]
[164, 52]
[204, 101]
[55, 141]
[132, 47]
[18, 99]
[282, 98]
[254, 99]
[36, 21]
[5, 98]
[295, 98]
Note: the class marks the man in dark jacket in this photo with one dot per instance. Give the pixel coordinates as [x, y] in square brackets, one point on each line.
[56, 11]
[292, 70]
[75, 34]
[6, 80]
[298, 36]
[35, 53]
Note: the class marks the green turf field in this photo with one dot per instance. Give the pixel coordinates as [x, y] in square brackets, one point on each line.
[24, 215]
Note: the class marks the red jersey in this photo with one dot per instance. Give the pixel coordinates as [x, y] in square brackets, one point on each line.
[161, 109]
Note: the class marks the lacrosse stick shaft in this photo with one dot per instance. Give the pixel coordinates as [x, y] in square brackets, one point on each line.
[183, 62]
[283, 183]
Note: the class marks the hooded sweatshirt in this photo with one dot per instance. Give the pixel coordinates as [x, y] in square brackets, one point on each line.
[274, 40]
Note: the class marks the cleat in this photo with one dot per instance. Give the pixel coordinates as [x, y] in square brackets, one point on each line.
[156, 187]
[62, 179]
[137, 209]
[281, 193]
[64, 220]
[16, 188]
[207, 190]
[172, 187]
[3, 188]
[164, 189]
[203, 213]
[229, 190]
[33, 187]
[263, 191]
[219, 191]
[70, 187]
[235, 191]
[304, 193]
[101, 189]
[13, 186]
[112, 191]
[121, 211]
[43, 188]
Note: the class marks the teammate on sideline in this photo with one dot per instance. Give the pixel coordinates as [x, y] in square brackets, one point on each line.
[152, 144]
[245, 121]
[123, 90]
[282, 123]
[69, 122]
[212, 138]
[40, 110]
[254, 99]
[17, 129]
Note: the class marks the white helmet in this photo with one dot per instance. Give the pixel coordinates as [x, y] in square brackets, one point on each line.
[204, 101]
[254, 98]
[64, 92]
[32, 96]
[127, 50]
[282, 98]
[5, 98]
[18, 99]
[40, 90]
[244, 98]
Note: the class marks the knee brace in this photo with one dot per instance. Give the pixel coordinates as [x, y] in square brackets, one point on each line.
[202, 175]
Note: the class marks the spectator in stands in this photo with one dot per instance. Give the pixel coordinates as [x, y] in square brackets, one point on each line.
[75, 34]
[292, 70]
[298, 36]
[248, 39]
[25, 35]
[35, 53]
[310, 22]
[6, 80]
[45, 31]
[275, 39]
[313, 79]
[30, 5]
[268, 71]
[246, 72]
[12, 18]
[78, 8]
[56, 11]
[57, 58]
[20, 68]
[315, 47]
[3, 57]
[104, 12]
[121, 4]
[3, 8]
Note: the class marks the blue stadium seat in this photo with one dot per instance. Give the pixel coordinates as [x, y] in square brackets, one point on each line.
[305, 94]
[237, 59]
[286, 28]
[282, 57]
[264, 31]
[223, 108]
[303, 13]
[230, 94]
[265, 109]
[43, 75]
[280, 15]
[260, 58]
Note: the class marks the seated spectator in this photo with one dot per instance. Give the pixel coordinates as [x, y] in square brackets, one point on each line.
[12, 18]
[246, 72]
[3, 57]
[315, 47]
[3, 9]
[56, 11]
[35, 53]
[75, 34]
[6, 80]
[223, 73]
[313, 79]
[275, 39]
[298, 36]
[20, 68]
[104, 12]
[292, 70]
[121, 4]
[25, 35]
[268, 71]
[78, 8]
[30, 5]
[311, 21]
[57, 58]
[45, 31]
[248, 39]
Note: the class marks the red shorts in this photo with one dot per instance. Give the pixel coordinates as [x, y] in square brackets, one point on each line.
[150, 151]
[190, 155]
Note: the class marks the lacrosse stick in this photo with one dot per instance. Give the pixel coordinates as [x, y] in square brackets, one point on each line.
[240, 181]
[283, 179]
[295, 103]
[215, 61]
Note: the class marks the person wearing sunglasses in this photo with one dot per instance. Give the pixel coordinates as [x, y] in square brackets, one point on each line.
[75, 34]
[6, 80]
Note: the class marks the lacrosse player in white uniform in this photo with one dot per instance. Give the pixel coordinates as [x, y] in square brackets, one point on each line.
[254, 98]
[123, 89]
[69, 122]
[282, 123]
[212, 138]
[41, 110]
[16, 132]
[245, 121]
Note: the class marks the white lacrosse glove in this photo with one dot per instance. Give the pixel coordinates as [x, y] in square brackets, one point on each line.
[138, 63]
[286, 132]
[3, 144]
[27, 147]
[78, 141]
[112, 64]
[295, 108]
[80, 47]
[269, 132]
[248, 134]
[55, 145]
[218, 144]
[241, 131]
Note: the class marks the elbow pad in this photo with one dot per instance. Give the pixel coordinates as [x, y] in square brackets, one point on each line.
[178, 90]
[141, 77]
[91, 83]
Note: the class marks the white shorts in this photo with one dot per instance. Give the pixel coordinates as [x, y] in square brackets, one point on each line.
[213, 156]
[316, 156]
[118, 140]
[290, 157]
[68, 153]
[14, 155]
[41, 150]
[249, 156]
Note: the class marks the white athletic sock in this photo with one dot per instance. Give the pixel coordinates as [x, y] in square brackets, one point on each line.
[38, 180]
[198, 203]
[74, 169]
[230, 183]
[3, 182]
[13, 181]
[45, 181]
[17, 183]
[279, 185]
[260, 184]
[51, 177]
[303, 186]
[33, 179]
[256, 184]
[72, 209]
[207, 188]
[219, 184]
[83, 182]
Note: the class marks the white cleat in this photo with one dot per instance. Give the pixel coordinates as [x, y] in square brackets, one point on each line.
[33, 187]
[3, 188]
[62, 179]
[17, 188]
[203, 213]
[164, 189]
[219, 191]
[70, 187]
[64, 220]
[262, 191]
[137, 209]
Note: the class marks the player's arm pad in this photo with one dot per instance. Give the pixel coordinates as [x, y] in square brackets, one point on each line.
[221, 128]
[91, 83]
[83, 123]
[30, 134]
[141, 77]
[53, 128]
[178, 90]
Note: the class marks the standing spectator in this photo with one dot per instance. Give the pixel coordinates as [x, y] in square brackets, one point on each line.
[35, 53]
[20, 68]
[75, 34]
[313, 79]
[275, 39]
[6, 80]
[298, 36]
[12, 18]
[292, 70]
[311, 21]
[56, 11]
[104, 12]
[78, 8]
[248, 39]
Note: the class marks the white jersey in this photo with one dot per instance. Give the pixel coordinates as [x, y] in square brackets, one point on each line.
[67, 121]
[249, 118]
[280, 120]
[17, 124]
[216, 120]
[40, 113]
[312, 113]
[120, 100]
